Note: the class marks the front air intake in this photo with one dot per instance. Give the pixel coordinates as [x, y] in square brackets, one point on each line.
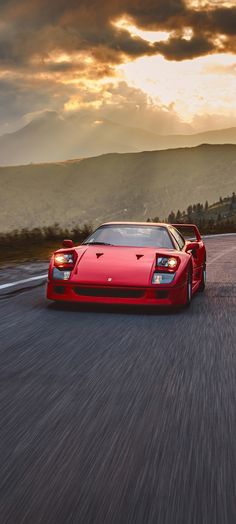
[108, 292]
[59, 290]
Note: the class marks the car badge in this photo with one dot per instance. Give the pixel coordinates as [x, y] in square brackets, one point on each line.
[109, 279]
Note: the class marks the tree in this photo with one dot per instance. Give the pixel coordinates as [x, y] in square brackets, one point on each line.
[178, 215]
[206, 205]
[171, 217]
[189, 211]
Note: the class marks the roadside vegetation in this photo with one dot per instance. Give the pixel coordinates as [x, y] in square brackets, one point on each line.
[37, 243]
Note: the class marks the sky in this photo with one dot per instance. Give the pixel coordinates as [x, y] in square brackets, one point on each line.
[165, 65]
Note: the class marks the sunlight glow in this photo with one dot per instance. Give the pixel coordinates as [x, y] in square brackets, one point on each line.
[64, 57]
[200, 4]
[75, 103]
[188, 33]
[191, 86]
[149, 36]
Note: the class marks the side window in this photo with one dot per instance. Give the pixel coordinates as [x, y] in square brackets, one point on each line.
[176, 245]
[180, 241]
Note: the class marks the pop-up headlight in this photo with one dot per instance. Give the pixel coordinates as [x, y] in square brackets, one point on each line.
[166, 262]
[64, 262]
[165, 269]
[62, 259]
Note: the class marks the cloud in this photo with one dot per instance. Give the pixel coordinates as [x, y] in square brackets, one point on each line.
[119, 103]
[221, 69]
[220, 20]
[39, 27]
[181, 48]
[204, 122]
[21, 97]
[156, 15]
[35, 35]
[129, 105]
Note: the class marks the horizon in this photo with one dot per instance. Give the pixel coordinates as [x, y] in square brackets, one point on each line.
[66, 117]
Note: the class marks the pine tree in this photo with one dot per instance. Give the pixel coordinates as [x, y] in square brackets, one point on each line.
[178, 215]
[189, 211]
[171, 217]
[198, 208]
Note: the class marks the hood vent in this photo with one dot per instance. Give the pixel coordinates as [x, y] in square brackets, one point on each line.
[139, 256]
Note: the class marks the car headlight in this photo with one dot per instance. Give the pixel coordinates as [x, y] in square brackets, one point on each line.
[167, 262]
[63, 258]
[162, 278]
[60, 274]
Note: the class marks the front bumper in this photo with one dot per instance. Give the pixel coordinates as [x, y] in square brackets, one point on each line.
[146, 296]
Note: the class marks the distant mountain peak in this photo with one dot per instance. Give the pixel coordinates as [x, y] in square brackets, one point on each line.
[50, 137]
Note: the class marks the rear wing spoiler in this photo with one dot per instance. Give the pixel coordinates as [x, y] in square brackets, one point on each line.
[188, 231]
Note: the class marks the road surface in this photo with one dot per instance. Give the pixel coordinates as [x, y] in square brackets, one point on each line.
[120, 415]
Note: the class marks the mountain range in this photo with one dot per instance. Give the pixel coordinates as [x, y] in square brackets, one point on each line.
[51, 138]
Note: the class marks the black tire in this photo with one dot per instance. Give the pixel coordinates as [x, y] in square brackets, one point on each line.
[203, 279]
[189, 288]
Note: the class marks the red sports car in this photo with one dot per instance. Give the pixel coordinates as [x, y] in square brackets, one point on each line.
[131, 263]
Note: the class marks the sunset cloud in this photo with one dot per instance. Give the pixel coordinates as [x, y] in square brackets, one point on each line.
[37, 27]
[52, 52]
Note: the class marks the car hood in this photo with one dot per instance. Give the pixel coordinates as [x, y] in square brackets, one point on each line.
[115, 265]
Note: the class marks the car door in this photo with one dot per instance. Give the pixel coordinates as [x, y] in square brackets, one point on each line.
[184, 245]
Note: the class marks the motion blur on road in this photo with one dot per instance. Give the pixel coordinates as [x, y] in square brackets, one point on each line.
[115, 415]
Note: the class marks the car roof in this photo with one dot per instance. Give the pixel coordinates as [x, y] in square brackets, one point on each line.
[135, 224]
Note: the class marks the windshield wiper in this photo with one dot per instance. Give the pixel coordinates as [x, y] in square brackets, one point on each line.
[97, 244]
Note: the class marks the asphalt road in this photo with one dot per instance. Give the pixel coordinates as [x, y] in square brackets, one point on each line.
[120, 415]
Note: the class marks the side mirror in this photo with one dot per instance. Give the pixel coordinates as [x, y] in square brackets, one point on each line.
[192, 247]
[68, 243]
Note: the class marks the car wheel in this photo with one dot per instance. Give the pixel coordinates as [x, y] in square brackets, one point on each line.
[189, 289]
[203, 279]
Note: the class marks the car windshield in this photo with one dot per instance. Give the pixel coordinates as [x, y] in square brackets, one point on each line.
[131, 235]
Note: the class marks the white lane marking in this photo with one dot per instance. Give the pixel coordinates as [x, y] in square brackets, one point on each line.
[11, 284]
[220, 256]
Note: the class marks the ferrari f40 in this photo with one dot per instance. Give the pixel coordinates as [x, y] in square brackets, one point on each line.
[131, 263]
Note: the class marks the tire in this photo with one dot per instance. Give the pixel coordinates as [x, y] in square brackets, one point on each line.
[203, 279]
[189, 289]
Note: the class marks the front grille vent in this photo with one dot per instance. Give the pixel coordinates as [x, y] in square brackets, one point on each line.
[161, 294]
[108, 292]
[59, 289]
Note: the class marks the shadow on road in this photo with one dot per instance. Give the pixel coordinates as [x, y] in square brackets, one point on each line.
[117, 309]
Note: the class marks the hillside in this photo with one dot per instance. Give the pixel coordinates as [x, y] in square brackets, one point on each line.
[52, 138]
[219, 217]
[131, 186]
